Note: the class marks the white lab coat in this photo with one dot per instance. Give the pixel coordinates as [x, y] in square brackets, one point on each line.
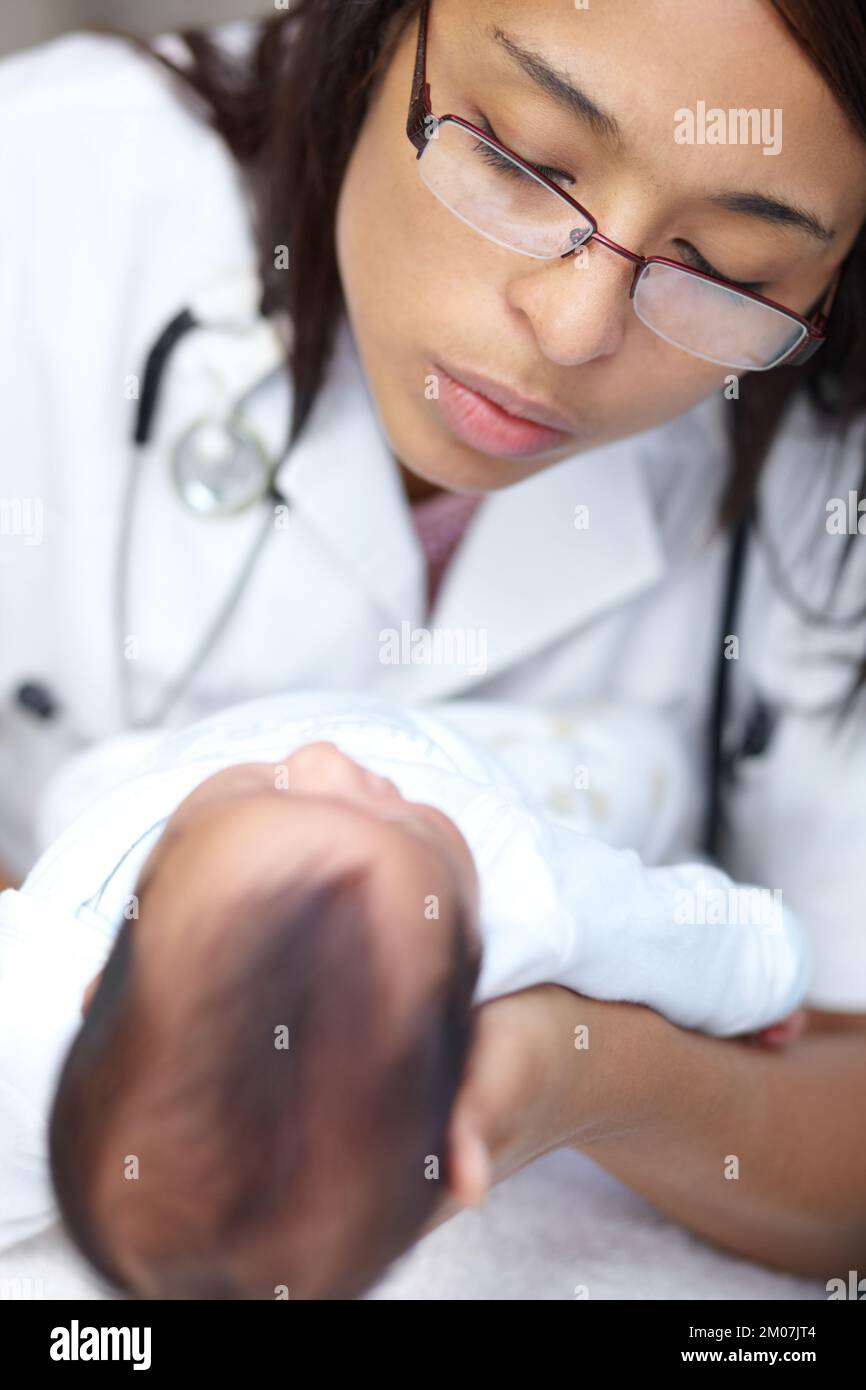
[124, 206]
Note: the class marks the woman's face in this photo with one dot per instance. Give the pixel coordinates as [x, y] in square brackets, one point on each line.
[427, 295]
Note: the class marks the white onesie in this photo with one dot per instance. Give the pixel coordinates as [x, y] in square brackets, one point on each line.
[557, 905]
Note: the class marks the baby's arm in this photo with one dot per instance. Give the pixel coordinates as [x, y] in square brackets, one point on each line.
[685, 940]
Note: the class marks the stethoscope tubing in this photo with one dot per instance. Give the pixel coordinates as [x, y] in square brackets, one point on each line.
[717, 755]
[154, 372]
[185, 322]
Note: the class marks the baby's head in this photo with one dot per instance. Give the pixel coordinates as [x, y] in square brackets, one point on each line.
[259, 1096]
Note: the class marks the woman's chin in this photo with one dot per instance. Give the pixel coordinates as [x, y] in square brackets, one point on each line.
[459, 468]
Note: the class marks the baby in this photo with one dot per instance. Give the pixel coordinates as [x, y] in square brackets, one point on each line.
[280, 926]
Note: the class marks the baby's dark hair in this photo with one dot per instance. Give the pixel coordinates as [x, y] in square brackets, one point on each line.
[278, 1139]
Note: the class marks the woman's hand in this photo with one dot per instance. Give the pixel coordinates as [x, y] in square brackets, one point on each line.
[508, 1092]
[499, 1120]
[666, 1111]
[547, 1065]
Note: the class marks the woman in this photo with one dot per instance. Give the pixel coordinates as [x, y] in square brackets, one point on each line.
[496, 336]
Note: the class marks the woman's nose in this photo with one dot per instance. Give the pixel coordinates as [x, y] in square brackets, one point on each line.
[579, 309]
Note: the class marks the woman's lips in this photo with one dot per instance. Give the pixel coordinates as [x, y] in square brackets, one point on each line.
[487, 427]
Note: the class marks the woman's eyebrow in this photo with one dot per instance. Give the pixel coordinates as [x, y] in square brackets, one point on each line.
[560, 87]
[773, 210]
[576, 101]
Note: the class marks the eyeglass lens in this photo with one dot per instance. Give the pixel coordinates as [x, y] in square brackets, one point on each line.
[512, 207]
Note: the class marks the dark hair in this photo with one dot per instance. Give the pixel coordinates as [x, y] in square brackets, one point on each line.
[290, 112]
[240, 1142]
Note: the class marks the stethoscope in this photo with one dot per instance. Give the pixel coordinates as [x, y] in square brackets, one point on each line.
[721, 758]
[219, 466]
[725, 753]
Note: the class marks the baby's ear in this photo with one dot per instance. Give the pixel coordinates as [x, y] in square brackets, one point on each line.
[470, 1166]
[89, 992]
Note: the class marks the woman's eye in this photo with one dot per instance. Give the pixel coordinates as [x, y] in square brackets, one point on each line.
[696, 261]
[494, 159]
[503, 164]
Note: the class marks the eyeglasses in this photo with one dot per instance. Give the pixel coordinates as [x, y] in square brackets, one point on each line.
[514, 204]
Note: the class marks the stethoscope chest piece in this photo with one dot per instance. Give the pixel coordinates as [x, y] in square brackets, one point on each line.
[220, 467]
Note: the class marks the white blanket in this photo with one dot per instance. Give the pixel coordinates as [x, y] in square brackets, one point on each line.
[560, 1227]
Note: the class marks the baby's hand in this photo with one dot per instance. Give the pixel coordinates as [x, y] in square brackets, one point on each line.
[781, 1033]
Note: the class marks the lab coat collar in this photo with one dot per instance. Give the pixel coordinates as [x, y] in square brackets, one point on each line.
[543, 558]
[529, 570]
[341, 476]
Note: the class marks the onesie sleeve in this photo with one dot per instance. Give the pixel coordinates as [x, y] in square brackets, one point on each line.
[686, 940]
[527, 930]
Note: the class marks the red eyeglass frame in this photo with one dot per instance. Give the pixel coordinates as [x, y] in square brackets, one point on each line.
[421, 113]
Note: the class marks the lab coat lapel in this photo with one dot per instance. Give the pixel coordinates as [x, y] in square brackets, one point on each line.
[540, 560]
[342, 478]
